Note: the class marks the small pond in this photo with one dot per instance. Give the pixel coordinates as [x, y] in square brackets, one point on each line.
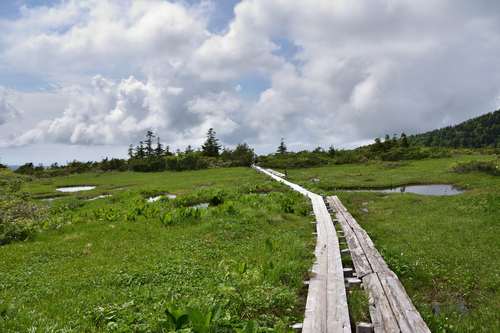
[99, 197]
[154, 199]
[202, 205]
[75, 188]
[158, 197]
[50, 199]
[434, 189]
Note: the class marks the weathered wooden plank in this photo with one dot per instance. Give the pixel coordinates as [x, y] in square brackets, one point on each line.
[335, 276]
[381, 313]
[326, 305]
[359, 259]
[276, 173]
[408, 317]
[376, 260]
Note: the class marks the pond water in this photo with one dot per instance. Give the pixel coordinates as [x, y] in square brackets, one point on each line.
[75, 188]
[434, 189]
[202, 205]
[99, 197]
[158, 197]
[49, 199]
[154, 199]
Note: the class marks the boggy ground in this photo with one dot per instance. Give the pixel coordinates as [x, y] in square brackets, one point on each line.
[122, 264]
[445, 250]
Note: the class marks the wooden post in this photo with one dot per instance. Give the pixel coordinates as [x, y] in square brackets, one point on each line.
[348, 272]
[364, 328]
[353, 282]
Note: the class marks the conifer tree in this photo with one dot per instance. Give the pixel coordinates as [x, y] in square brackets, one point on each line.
[282, 147]
[139, 150]
[318, 150]
[149, 143]
[131, 151]
[394, 139]
[378, 146]
[211, 147]
[167, 151]
[331, 150]
[404, 140]
[159, 148]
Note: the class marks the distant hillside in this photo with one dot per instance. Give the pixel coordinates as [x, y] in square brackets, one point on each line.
[482, 131]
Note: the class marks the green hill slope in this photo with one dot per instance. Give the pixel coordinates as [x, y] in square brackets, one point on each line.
[482, 131]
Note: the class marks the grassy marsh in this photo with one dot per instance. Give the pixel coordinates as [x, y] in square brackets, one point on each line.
[118, 263]
[446, 250]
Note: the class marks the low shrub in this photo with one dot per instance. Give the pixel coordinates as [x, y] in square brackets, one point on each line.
[489, 167]
[180, 216]
[20, 218]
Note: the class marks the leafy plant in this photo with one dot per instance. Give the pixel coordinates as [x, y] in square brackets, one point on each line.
[180, 215]
[205, 321]
[217, 198]
[250, 327]
[178, 317]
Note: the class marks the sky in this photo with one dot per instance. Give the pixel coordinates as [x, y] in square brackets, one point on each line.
[84, 79]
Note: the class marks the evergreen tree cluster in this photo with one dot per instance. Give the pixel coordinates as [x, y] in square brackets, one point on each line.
[147, 148]
[479, 132]
[149, 157]
[389, 143]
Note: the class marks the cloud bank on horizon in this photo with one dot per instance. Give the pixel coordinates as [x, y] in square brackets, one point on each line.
[317, 72]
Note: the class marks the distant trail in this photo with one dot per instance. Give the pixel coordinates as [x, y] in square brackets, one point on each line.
[391, 309]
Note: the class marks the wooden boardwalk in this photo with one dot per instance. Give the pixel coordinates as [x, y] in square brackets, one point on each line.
[326, 306]
[391, 310]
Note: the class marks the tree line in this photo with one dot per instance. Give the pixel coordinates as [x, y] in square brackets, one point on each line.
[479, 132]
[150, 154]
[390, 148]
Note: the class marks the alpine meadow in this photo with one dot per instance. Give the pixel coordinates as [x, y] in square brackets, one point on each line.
[249, 166]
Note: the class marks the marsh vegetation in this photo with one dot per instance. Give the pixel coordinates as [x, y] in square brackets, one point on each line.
[123, 264]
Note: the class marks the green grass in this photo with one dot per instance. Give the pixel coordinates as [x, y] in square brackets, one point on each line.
[111, 182]
[117, 264]
[358, 303]
[445, 250]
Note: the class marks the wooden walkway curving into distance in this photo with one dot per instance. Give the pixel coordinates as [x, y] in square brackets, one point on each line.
[391, 310]
[326, 305]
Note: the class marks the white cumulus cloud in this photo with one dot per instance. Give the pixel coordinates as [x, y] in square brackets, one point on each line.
[107, 112]
[8, 111]
[335, 72]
